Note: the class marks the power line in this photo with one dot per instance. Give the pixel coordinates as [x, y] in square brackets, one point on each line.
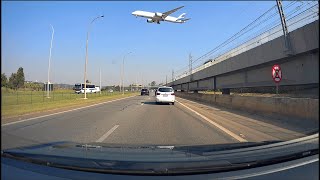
[233, 38]
[277, 25]
[227, 41]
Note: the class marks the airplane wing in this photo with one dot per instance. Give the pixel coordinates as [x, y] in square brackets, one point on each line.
[186, 19]
[171, 11]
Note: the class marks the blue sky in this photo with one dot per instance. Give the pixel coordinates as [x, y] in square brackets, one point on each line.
[157, 49]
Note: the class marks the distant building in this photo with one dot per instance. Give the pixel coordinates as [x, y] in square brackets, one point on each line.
[47, 86]
[135, 87]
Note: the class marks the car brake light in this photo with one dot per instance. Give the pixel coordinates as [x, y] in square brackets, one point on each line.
[172, 94]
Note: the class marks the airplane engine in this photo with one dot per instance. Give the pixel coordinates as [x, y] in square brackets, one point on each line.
[158, 14]
[149, 21]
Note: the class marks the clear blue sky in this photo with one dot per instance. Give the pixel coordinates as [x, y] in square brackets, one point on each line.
[157, 49]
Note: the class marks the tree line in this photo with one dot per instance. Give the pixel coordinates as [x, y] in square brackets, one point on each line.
[15, 81]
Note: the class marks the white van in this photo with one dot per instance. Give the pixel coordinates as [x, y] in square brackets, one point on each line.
[91, 90]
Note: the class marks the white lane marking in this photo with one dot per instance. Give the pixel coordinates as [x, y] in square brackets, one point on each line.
[63, 111]
[216, 125]
[107, 134]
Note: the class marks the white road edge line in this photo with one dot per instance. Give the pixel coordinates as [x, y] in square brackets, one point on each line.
[63, 112]
[240, 139]
[107, 134]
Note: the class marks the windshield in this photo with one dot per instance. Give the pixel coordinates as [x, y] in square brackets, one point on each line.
[165, 90]
[77, 87]
[207, 76]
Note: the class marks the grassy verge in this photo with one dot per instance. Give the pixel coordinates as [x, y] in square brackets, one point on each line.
[33, 97]
[9, 111]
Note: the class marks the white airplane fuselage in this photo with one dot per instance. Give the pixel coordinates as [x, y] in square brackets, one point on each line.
[155, 18]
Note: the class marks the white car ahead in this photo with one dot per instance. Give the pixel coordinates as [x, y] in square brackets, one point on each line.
[165, 95]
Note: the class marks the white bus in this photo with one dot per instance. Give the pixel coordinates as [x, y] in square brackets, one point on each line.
[91, 88]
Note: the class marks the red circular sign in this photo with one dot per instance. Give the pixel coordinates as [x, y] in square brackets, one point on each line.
[276, 73]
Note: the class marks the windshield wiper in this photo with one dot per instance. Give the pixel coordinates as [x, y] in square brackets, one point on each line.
[200, 149]
[88, 146]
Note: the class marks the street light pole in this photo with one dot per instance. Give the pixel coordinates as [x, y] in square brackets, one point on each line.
[86, 62]
[100, 81]
[49, 62]
[123, 72]
[120, 85]
[166, 81]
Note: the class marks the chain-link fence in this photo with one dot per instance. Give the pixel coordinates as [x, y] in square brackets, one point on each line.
[31, 97]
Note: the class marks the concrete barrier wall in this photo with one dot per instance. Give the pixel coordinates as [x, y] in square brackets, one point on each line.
[304, 70]
[303, 108]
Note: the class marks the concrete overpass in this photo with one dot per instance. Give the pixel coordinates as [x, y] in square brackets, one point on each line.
[252, 68]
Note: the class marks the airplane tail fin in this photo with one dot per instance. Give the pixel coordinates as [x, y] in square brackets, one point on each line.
[182, 16]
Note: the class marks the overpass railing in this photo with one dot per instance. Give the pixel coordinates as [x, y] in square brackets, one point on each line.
[294, 21]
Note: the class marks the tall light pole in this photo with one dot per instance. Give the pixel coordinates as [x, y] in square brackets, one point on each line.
[100, 80]
[85, 65]
[120, 85]
[48, 86]
[166, 81]
[123, 72]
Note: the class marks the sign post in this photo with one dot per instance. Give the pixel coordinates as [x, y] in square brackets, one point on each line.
[276, 76]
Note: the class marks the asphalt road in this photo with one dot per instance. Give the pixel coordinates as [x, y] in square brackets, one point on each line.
[139, 120]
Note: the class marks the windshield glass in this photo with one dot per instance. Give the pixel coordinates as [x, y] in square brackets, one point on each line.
[200, 75]
[165, 90]
[77, 87]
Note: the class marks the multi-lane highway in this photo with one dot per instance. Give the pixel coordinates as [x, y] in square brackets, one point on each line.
[139, 120]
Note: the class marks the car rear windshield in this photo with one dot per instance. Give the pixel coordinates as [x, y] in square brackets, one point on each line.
[165, 89]
[144, 89]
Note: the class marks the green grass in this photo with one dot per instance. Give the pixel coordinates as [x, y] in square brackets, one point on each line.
[20, 102]
[28, 91]
[33, 97]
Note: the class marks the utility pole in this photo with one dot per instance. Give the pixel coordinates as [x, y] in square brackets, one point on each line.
[190, 64]
[122, 76]
[136, 87]
[166, 81]
[48, 85]
[172, 75]
[190, 67]
[120, 79]
[100, 80]
[284, 27]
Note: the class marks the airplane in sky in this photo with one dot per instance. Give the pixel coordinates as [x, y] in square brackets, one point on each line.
[157, 17]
